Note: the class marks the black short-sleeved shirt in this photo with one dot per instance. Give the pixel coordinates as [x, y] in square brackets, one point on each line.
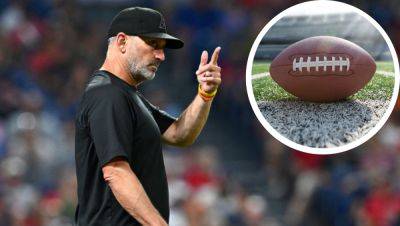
[114, 120]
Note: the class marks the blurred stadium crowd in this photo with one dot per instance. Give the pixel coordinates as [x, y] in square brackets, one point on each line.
[236, 174]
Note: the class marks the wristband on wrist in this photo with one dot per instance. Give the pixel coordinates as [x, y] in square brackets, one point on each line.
[206, 96]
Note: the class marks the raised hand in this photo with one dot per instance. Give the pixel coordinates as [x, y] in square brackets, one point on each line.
[209, 74]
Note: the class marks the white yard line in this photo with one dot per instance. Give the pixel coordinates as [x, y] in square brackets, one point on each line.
[256, 76]
[261, 75]
[385, 73]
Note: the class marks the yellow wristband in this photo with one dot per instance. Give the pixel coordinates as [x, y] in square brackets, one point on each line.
[204, 93]
[206, 99]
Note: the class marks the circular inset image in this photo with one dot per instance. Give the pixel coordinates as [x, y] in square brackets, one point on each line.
[322, 77]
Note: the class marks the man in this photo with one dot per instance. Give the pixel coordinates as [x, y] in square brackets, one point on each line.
[120, 168]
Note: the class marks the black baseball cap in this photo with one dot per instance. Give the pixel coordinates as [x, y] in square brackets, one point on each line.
[143, 22]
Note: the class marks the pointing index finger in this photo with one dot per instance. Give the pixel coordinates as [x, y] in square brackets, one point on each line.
[203, 58]
[214, 57]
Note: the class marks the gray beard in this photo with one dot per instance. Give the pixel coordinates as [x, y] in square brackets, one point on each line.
[140, 74]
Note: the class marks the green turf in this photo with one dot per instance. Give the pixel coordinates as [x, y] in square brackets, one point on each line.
[385, 66]
[380, 87]
[266, 89]
[261, 67]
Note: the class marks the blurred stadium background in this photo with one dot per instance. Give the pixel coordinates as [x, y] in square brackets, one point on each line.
[235, 174]
[350, 26]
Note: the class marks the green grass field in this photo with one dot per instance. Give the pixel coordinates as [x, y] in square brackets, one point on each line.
[260, 68]
[380, 87]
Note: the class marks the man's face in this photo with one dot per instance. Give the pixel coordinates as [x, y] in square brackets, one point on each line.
[144, 56]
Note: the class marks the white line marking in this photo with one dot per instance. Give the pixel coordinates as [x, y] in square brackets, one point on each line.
[385, 73]
[261, 75]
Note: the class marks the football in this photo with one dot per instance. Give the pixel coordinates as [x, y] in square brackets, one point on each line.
[323, 69]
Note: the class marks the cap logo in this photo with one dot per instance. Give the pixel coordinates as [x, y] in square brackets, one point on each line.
[162, 23]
